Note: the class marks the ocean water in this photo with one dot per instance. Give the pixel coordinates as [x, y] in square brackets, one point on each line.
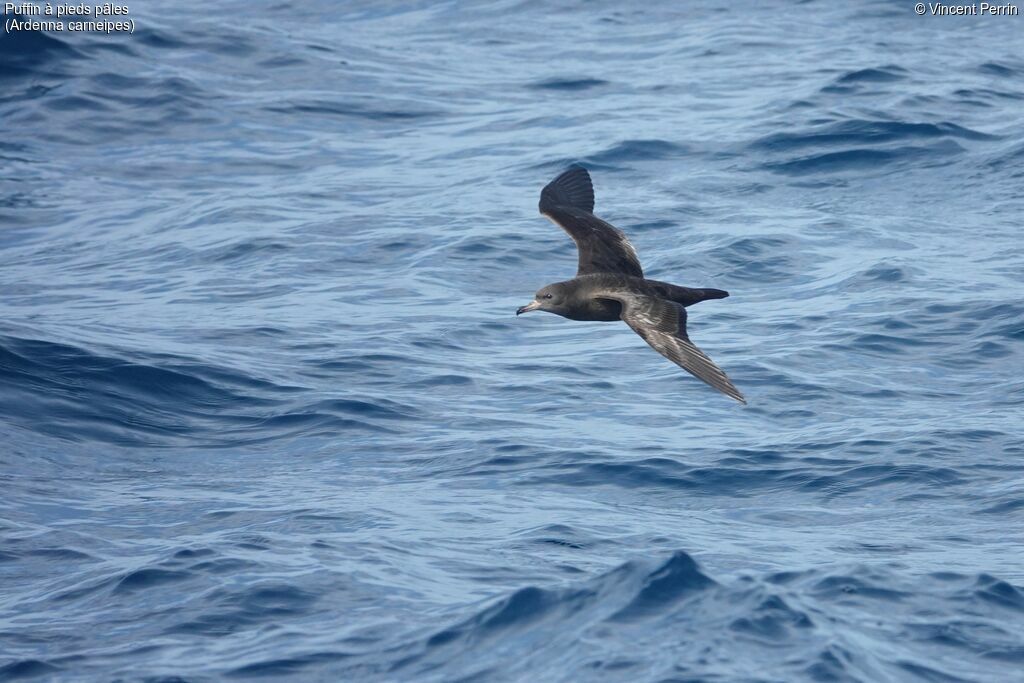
[266, 411]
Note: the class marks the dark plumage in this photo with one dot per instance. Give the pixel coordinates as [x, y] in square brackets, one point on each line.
[610, 284]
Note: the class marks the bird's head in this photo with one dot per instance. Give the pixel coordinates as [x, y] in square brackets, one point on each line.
[551, 298]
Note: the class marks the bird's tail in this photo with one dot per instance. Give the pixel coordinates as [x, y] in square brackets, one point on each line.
[711, 294]
[687, 296]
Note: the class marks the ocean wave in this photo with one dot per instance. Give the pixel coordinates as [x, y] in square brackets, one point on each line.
[568, 84]
[801, 624]
[33, 53]
[761, 258]
[850, 132]
[859, 144]
[76, 394]
[864, 159]
[636, 150]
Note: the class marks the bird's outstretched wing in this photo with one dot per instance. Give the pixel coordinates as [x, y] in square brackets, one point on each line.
[662, 324]
[568, 201]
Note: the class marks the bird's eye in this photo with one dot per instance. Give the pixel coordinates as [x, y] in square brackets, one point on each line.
[547, 296]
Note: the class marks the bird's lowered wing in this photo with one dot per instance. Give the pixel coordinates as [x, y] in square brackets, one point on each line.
[568, 201]
[662, 324]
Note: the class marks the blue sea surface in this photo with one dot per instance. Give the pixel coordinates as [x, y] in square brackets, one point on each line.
[266, 410]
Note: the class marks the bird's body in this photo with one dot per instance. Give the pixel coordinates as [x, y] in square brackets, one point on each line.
[585, 306]
[610, 284]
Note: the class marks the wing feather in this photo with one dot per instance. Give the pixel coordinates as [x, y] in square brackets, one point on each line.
[568, 201]
[662, 324]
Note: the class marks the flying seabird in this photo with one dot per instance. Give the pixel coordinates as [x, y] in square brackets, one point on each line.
[610, 285]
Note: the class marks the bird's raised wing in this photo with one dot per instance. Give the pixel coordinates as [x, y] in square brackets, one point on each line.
[662, 324]
[568, 201]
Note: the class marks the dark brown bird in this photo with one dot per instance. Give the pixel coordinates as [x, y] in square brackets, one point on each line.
[610, 285]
